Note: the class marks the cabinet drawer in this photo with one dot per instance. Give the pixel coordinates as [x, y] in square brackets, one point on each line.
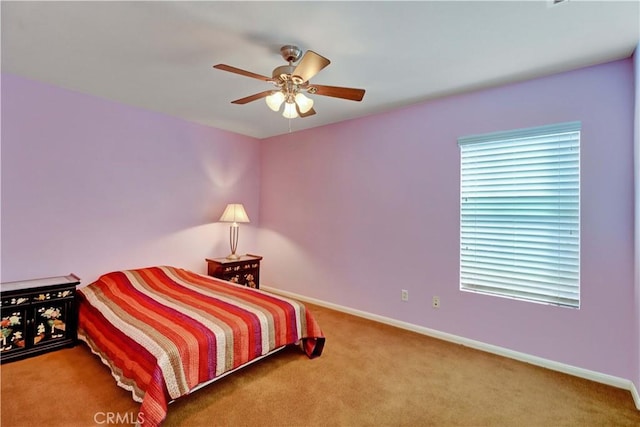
[47, 296]
[15, 301]
[240, 268]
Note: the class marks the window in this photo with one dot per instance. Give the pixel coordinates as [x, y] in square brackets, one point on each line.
[520, 214]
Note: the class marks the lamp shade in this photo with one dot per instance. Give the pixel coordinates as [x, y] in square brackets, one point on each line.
[303, 102]
[290, 110]
[234, 212]
[275, 100]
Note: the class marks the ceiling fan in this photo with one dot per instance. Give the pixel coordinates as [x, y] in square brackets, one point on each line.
[291, 81]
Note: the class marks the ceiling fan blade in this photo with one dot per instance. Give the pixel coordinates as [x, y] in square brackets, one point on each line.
[235, 70]
[311, 112]
[337, 92]
[253, 97]
[310, 65]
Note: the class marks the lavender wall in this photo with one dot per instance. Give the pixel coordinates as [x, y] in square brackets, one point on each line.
[354, 212]
[90, 186]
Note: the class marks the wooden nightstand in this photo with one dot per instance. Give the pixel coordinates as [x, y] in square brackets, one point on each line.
[38, 316]
[245, 271]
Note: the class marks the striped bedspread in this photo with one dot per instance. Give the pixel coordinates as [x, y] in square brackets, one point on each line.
[164, 330]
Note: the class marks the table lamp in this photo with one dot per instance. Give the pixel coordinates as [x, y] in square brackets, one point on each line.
[234, 213]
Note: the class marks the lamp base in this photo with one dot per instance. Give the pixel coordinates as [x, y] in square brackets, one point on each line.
[233, 256]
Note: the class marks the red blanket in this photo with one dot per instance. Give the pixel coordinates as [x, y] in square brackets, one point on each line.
[164, 330]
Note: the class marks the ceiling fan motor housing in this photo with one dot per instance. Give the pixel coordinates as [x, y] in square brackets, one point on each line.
[283, 72]
[290, 53]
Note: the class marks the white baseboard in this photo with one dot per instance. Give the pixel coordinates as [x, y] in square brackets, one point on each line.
[478, 345]
[636, 396]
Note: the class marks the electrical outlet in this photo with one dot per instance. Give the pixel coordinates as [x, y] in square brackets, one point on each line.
[404, 296]
[436, 302]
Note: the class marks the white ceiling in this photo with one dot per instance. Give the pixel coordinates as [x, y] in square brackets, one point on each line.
[159, 55]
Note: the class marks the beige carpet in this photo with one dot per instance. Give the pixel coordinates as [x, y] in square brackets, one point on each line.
[369, 375]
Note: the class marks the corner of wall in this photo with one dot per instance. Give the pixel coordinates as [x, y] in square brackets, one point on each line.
[636, 180]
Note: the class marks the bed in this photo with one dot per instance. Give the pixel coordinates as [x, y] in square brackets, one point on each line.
[165, 331]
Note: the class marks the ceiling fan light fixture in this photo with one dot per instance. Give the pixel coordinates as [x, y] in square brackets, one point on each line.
[292, 79]
[275, 100]
[305, 104]
[290, 110]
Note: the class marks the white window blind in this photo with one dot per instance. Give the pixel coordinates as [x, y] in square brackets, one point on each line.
[520, 214]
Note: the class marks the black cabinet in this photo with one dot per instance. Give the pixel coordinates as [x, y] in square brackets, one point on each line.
[37, 316]
[245, 270]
